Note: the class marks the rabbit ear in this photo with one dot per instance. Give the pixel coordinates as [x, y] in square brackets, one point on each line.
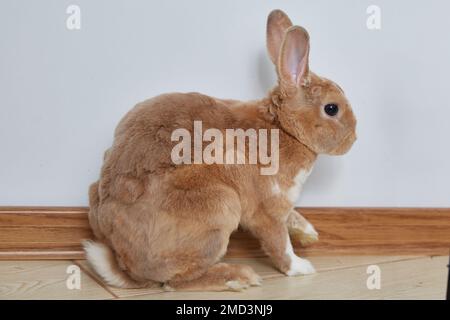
[292, 64]
[277, 24]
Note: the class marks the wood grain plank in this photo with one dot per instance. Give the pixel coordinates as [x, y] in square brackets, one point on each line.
[61, 218]
[56, 232]
[422, 278]
[265, 268]
[52, 233]
[45, 280]
[45, 234]
[42, 254]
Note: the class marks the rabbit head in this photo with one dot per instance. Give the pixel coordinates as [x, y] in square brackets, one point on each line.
[311, 108]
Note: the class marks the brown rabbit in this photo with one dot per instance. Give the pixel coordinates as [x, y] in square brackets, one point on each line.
[160, 222]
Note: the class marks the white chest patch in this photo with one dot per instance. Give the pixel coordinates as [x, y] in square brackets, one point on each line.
[294, 191]
[276, 188]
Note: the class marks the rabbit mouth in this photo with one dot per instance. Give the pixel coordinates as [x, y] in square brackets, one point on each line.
[345, 145]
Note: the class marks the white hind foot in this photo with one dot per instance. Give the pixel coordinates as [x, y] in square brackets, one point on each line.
[236, 285]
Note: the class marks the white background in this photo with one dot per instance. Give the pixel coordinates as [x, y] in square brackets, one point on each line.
[63, 92]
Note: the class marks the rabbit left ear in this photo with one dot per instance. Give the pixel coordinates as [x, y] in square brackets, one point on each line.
[277, 24]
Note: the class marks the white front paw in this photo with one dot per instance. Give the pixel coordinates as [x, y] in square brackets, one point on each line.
[300, 266]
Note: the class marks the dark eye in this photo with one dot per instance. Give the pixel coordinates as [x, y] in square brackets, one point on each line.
[331, 109]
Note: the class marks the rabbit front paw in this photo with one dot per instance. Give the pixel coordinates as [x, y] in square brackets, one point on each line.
[305, 236]
[300, 266]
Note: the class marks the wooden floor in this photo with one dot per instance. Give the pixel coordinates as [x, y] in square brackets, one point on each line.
[338, 277]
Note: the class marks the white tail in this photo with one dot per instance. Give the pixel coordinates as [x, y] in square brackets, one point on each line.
[102, 260]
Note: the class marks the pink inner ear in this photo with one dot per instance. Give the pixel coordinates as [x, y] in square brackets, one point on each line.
[295, 60]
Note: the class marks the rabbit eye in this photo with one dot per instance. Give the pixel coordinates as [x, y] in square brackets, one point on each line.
[331, 109]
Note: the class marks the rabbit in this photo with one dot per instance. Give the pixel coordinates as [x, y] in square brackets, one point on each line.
[158, 223]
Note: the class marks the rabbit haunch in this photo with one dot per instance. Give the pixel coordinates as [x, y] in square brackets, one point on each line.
[231, 150]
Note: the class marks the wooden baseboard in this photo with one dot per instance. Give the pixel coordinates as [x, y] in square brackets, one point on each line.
[56, 232]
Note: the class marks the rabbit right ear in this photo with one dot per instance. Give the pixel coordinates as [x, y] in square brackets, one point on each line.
[277, 24]
[292, 67]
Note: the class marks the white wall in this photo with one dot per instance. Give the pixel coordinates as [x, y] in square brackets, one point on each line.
[62, 92]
